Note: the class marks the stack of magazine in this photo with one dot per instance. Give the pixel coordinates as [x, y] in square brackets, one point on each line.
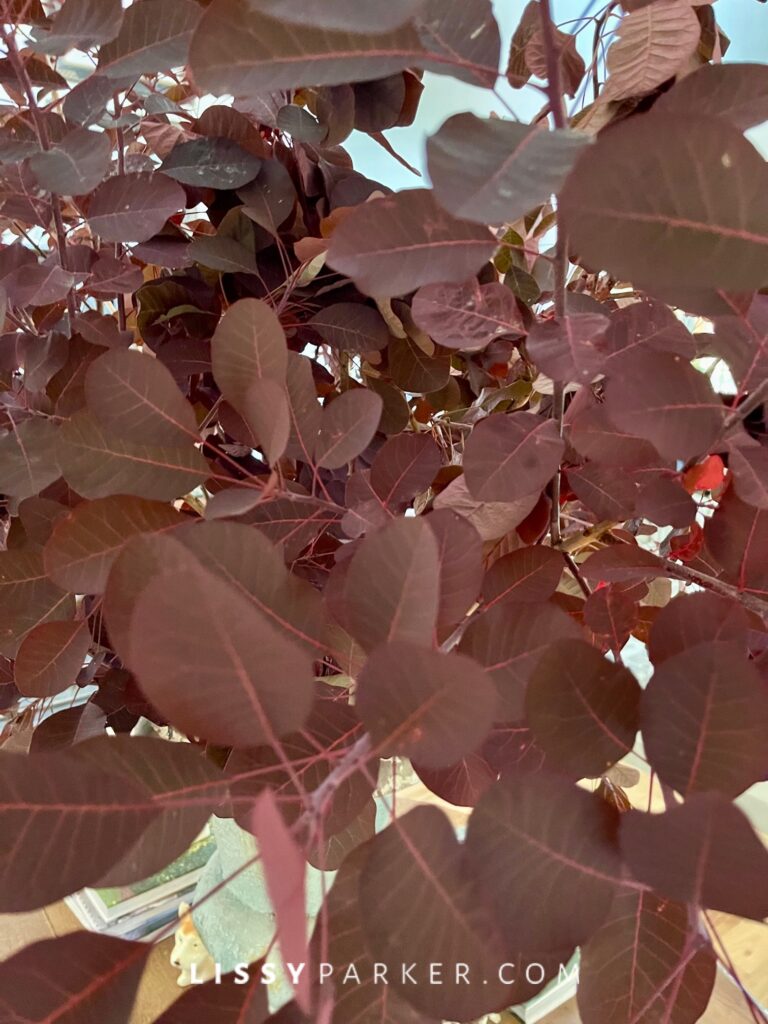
[142, 910]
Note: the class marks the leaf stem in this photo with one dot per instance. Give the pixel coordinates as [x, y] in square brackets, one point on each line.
[19, 69]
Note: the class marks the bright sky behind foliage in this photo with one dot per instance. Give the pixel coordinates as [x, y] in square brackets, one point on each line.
[744, 21]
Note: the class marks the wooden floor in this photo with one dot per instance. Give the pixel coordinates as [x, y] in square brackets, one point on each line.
[746, 943]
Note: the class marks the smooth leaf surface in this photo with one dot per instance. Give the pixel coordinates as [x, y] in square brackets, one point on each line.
[211, 163]
[50, 657]
[703, 851]
[545, 855]
[710, 230]
[644, 962]
[133, 207]
[79, 977]
[704, 720]
[76, 165]
[86, 541]
[239, 50]
[97, 463]
[467, 316]
[583, 710]
[266, 677]
[347, 427]
[509, 456]
[494, 171]
[651, 45]
[393, 245]
[154, 36]
[421, 704]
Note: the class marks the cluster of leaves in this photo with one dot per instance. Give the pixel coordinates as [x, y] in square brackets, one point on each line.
[319, 474]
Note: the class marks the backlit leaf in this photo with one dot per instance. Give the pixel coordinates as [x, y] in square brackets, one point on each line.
[27, 597]
[97, 463]
[390, 589]
[248, 344]
[82, 976]
[583, 709]
[509, 641]
[646, 961]
[571, 349]
[749, 467]
[403, 467]
[667, 402]
[494, 171]
[651, 45]
[530, 574]
[417, 898]
[80, 23]
[365, 16]
[53, 794]
[462, 40]
[691, 619]
[708, 230]
[736, 92]
[137, 398]
[351, 326]
[393, 245]
[27, 458]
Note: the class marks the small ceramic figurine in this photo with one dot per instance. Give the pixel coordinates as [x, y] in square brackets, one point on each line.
[188, 951]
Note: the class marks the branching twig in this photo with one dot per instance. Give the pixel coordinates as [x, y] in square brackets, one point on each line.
[25, 83]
